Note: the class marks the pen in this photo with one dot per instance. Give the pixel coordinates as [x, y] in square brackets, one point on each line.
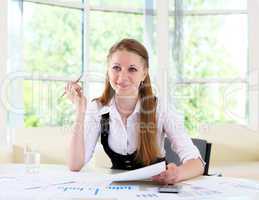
[77, 80]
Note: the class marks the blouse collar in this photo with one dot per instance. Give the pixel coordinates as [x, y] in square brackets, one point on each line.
[111, 108]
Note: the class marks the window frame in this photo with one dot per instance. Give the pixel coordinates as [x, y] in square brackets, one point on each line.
[3, 67]
[162, 29]
[251, 80]
[86, 8]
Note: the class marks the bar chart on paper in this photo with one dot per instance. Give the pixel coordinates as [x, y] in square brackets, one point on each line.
[97, 190]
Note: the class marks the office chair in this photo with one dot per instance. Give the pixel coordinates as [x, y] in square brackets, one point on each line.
[203, 146]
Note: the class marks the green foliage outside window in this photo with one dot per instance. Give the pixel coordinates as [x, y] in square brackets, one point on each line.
[53, 46]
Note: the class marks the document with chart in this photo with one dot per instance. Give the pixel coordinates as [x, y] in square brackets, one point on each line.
[140, 174]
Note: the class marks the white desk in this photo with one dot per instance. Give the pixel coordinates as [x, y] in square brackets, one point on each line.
[17, 184]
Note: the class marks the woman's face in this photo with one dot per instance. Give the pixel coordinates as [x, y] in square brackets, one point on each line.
[126, 70]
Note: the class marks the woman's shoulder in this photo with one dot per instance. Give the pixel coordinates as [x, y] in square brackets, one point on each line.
[166, 109]
[160, 105]
[93, 106]
[96, 107]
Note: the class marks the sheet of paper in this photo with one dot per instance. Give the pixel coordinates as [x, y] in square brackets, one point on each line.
[220, 187]
[45, 180]
[140, 174]
[223, 183]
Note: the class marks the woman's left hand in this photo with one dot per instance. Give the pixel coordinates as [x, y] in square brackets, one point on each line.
[170, 176]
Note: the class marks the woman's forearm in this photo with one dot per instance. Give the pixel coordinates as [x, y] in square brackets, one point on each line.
[190, 169]
[76, 144]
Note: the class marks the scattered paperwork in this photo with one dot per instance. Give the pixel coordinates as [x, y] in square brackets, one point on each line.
[61, 185]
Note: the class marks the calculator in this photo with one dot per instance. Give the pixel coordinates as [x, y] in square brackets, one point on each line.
[170, 189]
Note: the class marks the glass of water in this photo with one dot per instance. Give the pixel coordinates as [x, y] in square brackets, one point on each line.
[31, 159]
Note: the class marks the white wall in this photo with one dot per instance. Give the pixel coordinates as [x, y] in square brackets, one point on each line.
[231, 143]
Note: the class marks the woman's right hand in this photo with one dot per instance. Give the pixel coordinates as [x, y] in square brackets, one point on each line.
[74, 93]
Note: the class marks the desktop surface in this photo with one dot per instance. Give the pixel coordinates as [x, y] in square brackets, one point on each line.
[57, 182]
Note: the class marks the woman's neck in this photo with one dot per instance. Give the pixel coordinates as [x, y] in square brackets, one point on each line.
[125, 105]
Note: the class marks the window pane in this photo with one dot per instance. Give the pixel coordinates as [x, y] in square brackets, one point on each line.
[150, 36]
[108, 28]
[171, 5]
[215, 46]
[118, 3]
[214, 4]
[52, 40]
[44, 105]
[211, 103]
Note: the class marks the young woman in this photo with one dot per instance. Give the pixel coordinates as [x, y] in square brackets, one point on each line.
[130, 120]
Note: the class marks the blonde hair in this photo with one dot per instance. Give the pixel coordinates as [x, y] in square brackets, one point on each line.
[147, 150]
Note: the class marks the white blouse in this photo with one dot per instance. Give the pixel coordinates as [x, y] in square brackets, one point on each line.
[123, 138]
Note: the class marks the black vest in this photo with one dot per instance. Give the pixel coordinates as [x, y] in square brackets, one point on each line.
[126, 162]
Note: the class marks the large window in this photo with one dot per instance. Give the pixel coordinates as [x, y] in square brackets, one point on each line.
[208, 75]
[210, 59]
[63, 40]
[53, 53]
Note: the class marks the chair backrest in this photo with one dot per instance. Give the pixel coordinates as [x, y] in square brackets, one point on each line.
[203, 146]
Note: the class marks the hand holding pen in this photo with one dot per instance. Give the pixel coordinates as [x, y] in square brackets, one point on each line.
[71, 82]
[74, 93]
